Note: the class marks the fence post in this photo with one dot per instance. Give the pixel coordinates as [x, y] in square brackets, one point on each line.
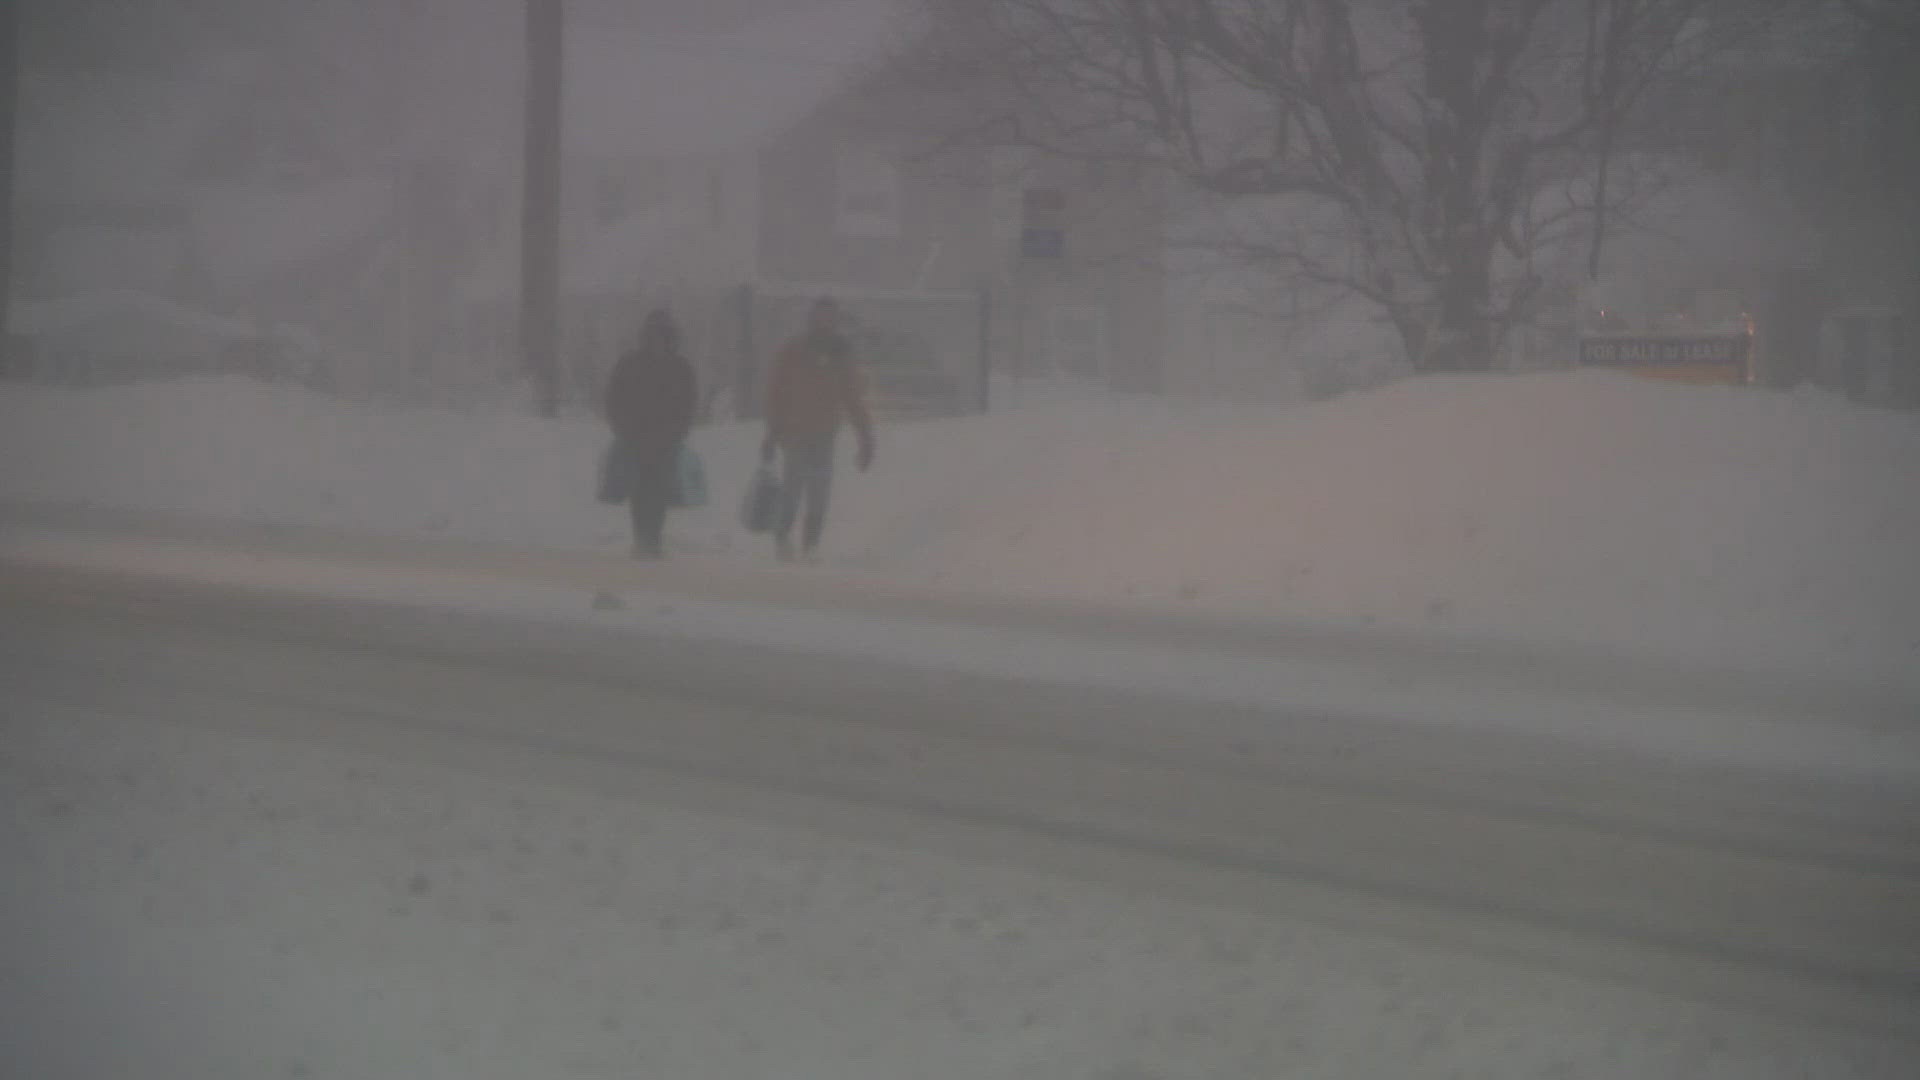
[746, 405]
[985, 401]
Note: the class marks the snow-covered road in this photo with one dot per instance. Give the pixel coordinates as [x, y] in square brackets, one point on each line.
[264, 837]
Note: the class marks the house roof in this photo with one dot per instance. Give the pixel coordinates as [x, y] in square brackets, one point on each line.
[631, 93]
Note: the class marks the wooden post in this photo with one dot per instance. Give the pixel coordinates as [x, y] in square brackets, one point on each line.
[985, 314]
[748, 397]
[540, 204]
[9, 99]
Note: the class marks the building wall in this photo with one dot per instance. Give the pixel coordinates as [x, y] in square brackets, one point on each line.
[706, 204]
[846, 202]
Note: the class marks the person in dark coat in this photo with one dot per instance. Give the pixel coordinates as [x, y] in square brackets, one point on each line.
[816, 389]
[650, 406]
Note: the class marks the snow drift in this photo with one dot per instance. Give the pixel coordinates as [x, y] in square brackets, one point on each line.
[1587, 509]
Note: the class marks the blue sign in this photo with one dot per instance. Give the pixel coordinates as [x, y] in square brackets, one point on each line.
[1043, 243]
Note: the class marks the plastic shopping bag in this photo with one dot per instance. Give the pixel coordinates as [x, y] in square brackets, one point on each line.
[760, 510]
[616, 475]
[689, 479]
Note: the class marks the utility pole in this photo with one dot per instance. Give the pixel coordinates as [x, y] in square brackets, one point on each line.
[9, 101]
[540, 204]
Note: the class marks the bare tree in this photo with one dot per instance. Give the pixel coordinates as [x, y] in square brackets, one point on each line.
[1885, 215]
[1899, 17]
[1443, 139]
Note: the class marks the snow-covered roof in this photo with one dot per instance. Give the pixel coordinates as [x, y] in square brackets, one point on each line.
[40, 317]
[636, 94]
[247, 233]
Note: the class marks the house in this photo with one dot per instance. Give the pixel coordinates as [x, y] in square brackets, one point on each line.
[101, 338]
[737, 169]
[141, 194]
[103, 165]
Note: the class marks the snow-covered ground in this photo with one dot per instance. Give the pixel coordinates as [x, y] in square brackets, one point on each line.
[1736, 525]
[181, 903]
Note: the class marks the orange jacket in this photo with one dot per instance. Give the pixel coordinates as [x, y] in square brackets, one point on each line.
[815, 388]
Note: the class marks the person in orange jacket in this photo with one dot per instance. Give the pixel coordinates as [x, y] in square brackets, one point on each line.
[815, 390]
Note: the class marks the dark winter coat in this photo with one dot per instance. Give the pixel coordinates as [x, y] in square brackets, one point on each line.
[650, 404]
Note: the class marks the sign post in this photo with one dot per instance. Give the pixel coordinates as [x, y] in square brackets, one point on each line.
[540, 204]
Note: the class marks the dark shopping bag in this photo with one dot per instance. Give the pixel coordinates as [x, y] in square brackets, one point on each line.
[760, 510]
[616, 475]
[689, 479]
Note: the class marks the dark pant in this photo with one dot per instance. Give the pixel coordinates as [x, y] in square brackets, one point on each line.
[808, 482]
[647, 499]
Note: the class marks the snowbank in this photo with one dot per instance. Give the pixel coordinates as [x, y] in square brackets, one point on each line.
[1593, 509]
[1582, 507]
